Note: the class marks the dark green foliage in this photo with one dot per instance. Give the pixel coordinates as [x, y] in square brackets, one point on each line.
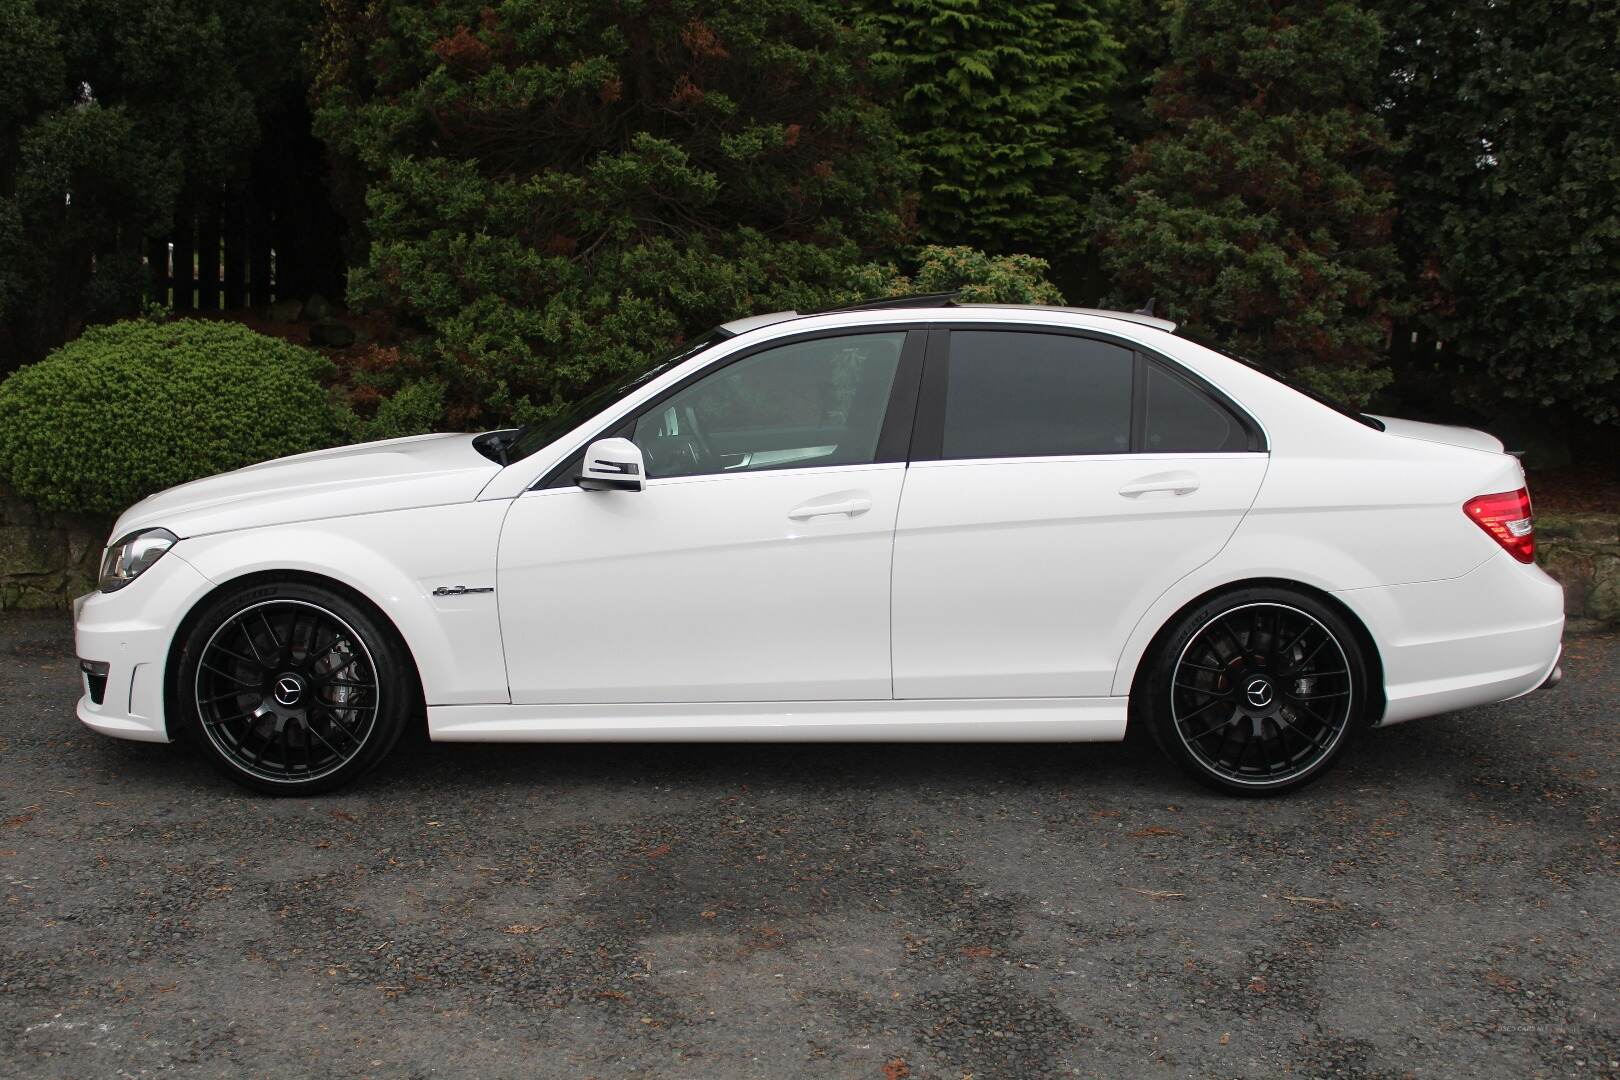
[1259, 215]
[416, 409]
[981, 278]
[134, 407]
[1144, 29]
[1509, 190]
[1005, 109]
[556, 191]
[108, 110]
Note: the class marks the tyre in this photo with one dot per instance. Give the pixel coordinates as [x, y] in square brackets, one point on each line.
[1255, 692]
[291, 688]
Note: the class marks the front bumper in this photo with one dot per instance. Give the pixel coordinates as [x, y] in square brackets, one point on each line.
[130, 631]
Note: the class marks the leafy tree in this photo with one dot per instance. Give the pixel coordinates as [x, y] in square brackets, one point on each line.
[554, 191]
[1509, 188]
[1005, 109]
[108, 110]
[1259, 213]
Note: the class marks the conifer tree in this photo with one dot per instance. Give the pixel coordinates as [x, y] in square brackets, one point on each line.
[1509, 188]
[553, 192]
[1259, 213]
[1005, 109]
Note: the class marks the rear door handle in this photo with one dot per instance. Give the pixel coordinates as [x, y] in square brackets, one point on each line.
[1179, 482]
[842, 503]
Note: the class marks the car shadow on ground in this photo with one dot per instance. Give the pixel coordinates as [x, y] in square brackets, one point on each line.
[1392, 758]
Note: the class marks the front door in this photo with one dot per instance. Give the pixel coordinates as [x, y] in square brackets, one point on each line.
[753, 567]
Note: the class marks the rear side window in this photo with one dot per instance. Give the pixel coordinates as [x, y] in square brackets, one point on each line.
[1017, 394]
[1182, 419]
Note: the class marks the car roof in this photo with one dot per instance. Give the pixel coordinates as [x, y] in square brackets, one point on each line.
[1104, 313]
[754, 322]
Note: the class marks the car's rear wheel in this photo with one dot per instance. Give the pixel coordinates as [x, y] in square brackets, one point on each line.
[292, 688]
[1256, 692]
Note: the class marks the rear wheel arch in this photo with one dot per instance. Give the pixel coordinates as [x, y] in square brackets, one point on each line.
[271, 577]
[1369, 647]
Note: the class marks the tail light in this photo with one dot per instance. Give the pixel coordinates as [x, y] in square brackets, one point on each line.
[1507, 517]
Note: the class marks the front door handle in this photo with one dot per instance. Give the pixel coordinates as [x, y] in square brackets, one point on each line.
[1179, 482]
[842, 503]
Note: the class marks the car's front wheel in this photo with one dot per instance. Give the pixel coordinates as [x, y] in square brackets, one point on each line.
[1256, 692]
[292, 688]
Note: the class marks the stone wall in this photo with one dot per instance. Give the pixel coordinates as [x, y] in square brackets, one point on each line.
[1583, 552]
[46, 559]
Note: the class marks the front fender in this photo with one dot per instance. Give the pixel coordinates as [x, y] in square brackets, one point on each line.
[395, 560]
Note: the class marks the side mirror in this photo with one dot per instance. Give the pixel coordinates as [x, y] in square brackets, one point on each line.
[612, 465]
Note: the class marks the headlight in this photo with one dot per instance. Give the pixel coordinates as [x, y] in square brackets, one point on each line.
[130, 557]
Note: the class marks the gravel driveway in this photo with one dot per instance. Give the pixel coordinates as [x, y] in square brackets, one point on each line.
[1443, 904]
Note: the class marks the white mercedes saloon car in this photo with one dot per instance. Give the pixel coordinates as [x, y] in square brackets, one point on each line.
[904, 520]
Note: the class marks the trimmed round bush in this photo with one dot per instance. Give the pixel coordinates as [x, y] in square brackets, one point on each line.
[134, 407]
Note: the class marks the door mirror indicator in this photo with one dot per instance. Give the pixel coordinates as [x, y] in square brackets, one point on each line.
[612, 465]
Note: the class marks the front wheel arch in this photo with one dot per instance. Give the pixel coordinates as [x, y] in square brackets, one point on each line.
[267, 577]
[1375, 673]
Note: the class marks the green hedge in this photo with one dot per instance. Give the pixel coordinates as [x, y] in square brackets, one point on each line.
[135, 407]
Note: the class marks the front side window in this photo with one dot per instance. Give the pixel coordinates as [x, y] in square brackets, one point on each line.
[1018, 394]
[801, 405]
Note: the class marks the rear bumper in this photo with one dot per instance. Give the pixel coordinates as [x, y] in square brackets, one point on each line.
[1490, 635]
[130, 631]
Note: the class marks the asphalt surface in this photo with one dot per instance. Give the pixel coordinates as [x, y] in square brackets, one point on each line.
[1443, 904]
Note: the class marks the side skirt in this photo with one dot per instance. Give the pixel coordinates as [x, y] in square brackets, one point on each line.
[955, 720]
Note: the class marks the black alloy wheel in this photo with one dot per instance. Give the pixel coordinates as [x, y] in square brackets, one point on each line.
[294, 689]
[1257, 692]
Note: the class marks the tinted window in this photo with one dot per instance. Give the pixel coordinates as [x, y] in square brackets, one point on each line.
[1183, 419]
[1015, 394]
[817, 402]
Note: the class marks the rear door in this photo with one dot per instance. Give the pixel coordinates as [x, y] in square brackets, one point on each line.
[1059, 483]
